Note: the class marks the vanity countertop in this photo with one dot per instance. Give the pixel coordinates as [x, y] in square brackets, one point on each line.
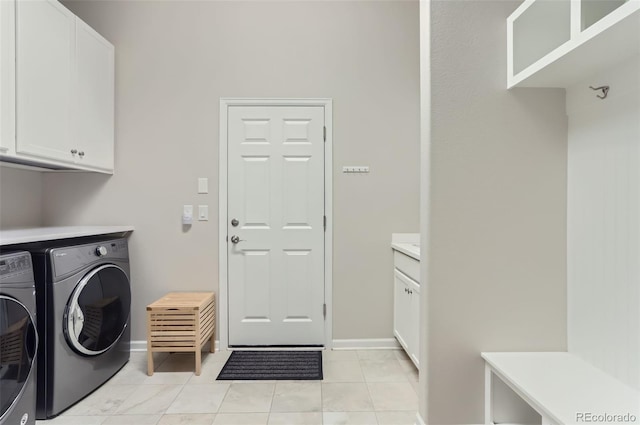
[407, 243]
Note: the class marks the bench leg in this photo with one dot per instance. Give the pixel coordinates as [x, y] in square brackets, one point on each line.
[488, 403]
[198, 359]
[149, 350]
[149, 361]
[212, 348]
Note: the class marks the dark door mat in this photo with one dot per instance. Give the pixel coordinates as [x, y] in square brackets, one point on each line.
[277, 365]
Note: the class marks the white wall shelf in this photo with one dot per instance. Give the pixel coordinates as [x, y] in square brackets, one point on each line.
[555, 43]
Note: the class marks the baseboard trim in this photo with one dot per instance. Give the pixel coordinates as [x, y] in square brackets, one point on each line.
[138, 345]
[338, 344]
[419, 420]
[141, 345]
[366, 344]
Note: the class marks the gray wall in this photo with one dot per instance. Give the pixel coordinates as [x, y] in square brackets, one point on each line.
[497, 216]
[20, 198]
[174, 60]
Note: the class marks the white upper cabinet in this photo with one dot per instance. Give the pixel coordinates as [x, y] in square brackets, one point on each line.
[44, 49]
[7, 78]
[62, 74]
[94, 98]
[555, 43]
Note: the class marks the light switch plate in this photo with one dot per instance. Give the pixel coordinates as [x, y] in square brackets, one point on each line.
[203, 212]
[203, 185]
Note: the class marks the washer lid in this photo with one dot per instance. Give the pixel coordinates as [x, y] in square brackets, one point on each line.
[18, 345]
[97, 313]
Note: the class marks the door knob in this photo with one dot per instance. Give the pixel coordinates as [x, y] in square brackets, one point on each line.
[236, 239]
[235, 222]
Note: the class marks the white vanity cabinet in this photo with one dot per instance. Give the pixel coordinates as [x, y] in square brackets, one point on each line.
[63, 83]
[406, 303]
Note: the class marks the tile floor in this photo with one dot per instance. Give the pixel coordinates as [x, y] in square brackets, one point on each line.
[368, 387]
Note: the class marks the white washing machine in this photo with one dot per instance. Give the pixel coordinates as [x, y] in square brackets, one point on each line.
[18, 340]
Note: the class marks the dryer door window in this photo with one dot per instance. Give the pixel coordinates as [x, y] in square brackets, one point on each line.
[18, 344]
[98, 310]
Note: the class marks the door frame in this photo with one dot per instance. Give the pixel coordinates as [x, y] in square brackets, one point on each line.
[223, 306]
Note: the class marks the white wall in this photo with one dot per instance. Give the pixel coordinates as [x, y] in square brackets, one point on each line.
[425, 205]
[496, 272]
[174, 60]
[20, 198]
[603, 227]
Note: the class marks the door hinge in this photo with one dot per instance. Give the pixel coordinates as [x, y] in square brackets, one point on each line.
[324, 222]
[324, 310]
[324, 133]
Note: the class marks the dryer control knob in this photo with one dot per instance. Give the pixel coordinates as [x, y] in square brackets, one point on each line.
[101, 251]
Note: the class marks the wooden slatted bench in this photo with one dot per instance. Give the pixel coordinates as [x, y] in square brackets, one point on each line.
[181, 322]
[561, 388]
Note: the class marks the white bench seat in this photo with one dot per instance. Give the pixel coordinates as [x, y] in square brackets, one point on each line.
[561, 387]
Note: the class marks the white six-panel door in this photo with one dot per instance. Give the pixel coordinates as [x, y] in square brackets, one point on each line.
[276, 250]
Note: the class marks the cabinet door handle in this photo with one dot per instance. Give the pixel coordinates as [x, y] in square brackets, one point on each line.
[81, 153]
[74, 151]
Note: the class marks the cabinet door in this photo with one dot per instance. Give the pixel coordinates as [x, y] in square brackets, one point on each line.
[414, 323]
[45, 36]
[400, 308]
[7, 77]
[94, 94]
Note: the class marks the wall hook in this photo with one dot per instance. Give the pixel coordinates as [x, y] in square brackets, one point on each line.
[605, 91]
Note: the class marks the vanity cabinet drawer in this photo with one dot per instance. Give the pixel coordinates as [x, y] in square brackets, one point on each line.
[407, 265]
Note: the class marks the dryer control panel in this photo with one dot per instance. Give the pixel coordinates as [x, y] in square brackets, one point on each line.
[69, 259]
